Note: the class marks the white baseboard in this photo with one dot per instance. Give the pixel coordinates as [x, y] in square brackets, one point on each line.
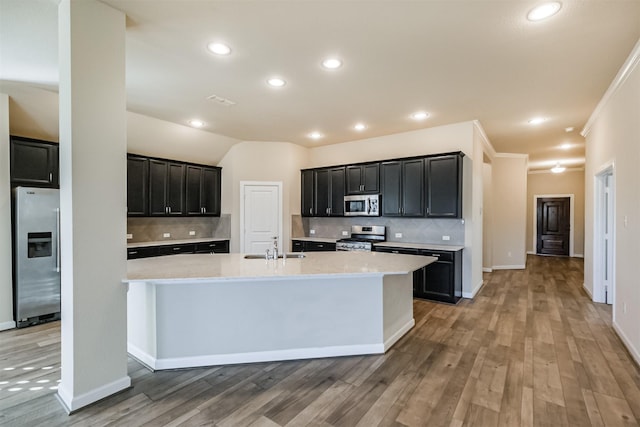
[7, 325]
[73, 403]
[399, 334]
[588, 291]
[474, 292]
[531, 253]
[627, 343]
[487, 270]
[258, 356]
[578, 255]
[509, 267]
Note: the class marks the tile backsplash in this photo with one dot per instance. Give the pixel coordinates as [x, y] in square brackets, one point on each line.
[413, 230]
[153, 229]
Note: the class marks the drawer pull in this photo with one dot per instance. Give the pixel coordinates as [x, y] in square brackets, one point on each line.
[395, 252]
[436, 255]
[133, 252]
[176, 249]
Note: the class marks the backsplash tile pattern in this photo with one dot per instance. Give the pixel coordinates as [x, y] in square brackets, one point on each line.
[152, 229]
[414, 230]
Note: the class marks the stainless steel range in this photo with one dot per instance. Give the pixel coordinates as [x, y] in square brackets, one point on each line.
[362, 238]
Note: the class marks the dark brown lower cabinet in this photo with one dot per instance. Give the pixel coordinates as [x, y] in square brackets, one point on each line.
[216, 246]
[307, 246]
[438, 281]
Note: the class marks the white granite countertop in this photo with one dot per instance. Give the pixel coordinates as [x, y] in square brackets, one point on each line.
[428, 246]
[315, 239]
[174, 242]
[190, 267]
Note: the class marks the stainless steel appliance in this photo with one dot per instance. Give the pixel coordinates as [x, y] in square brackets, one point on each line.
[362, 238]
[362, 205]
[36, 255]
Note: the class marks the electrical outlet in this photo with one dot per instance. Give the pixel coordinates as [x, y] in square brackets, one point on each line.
[345, 233]
[166, 234]
[312, 231]
[192, 233]
[129, 236]
[398, 235]
[446, 238]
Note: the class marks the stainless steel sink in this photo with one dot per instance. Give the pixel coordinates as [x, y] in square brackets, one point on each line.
[292, 255]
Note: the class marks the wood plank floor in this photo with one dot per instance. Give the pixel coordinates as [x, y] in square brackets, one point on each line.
[529, 350]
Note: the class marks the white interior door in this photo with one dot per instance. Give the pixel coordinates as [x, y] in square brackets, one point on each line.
[261, 216]
[604, 238]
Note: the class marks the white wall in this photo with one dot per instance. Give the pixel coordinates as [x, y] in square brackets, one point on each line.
[6, 286]
[262, 161]
[510, 211]
[613, 137]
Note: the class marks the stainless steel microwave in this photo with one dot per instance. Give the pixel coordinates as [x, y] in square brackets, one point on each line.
[362, 205]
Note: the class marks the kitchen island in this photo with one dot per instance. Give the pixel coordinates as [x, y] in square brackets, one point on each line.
[212, 309]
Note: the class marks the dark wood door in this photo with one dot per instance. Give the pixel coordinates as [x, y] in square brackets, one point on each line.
[157, 188]
[444, 186]
[336, 205]
[194, 187]
[175, 188]
[391, 186]
[211, 191]
[33, 163]
[307, 186]
[322, 193]
[354, 179]
[412, 188]
[553, 226]
[137, 177]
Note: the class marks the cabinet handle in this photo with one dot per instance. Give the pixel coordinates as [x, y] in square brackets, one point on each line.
[50, 177]
[169, 209]
[395, 252]
[204, 210]
[310, 211]
[176, 249]
[436, 255]
[133, 252]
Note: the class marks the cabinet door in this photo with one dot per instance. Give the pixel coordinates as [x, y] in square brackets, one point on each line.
[322, 192]
[33, 163]
[354, 179]
[175, 188]
[444, 186]
[412, 188]
[306, 199]
[218, 247]
[193, 204]
[137, 185]
[391, 186]
[336, 204]
[157, 187]
[211, 191]
[438, 281]
[371, 178]
[297, 246]
[319, 246]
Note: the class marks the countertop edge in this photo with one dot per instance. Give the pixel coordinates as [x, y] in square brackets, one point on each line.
[174, 242]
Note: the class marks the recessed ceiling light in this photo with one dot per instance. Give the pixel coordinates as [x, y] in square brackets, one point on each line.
[315, 135]
[331, 63]
[419, 115]
[569, 129]
[196, 123]
[359, 126]
[557, 168]
[543, 11]
[276, 82]
[537, 120]
[565, 146]
[219, 48]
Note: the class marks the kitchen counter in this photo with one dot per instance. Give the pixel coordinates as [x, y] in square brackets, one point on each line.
[173, 242]
[200, 310]
[427, 246]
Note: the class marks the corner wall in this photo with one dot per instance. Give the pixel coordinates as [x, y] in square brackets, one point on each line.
[510, 211]
[613, 138]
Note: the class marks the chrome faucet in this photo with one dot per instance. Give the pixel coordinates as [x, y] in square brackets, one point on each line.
[275, 248]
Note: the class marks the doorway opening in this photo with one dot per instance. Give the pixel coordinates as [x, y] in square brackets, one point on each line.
[553, 229]
[260, 216]
[604, 237]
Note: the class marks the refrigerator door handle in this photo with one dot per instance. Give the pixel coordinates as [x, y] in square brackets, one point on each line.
[57, 240]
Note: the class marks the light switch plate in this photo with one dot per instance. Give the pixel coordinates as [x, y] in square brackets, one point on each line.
[166, 235]
[345, 233]
[129, 236]
[192, 233]
[398, 235]
[446, 238]
[312, 231]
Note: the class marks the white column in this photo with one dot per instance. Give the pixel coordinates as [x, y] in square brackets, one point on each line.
[92, 201]
[6, 285]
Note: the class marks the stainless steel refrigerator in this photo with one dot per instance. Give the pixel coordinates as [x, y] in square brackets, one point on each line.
[36, 255]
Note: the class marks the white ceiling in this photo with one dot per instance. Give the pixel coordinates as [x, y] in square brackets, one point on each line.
[459, 60]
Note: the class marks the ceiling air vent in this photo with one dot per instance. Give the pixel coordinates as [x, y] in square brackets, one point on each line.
[221, 101]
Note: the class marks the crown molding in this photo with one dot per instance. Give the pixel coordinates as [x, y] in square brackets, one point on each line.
[513, 155]
[488, 147]
[626, 70]
[540, 171]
